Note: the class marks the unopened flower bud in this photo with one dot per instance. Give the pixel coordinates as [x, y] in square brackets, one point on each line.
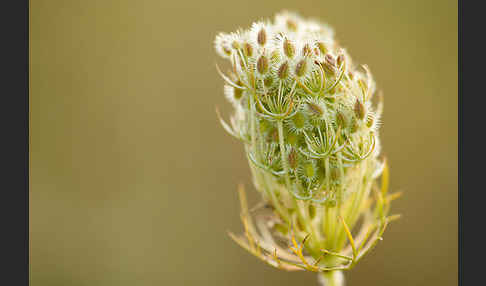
[340, 119]
[283, 71]
[315, 109]
[322, 48]
[340, 60]
[330, 60]
[262, 65]
[262, 37]
[300, 68]
[353, 125]
[288, 48]
[292, 159]
[268, 81]
[351, 75]
[359, 109]
[369, 121]
[275, 56]
[248, 49]
[306, 50]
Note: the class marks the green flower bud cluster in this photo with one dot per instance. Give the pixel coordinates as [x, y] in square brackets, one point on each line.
[303, 108]
[305, 115]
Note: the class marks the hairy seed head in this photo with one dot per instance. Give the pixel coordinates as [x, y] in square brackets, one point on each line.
[359, 109]
[248, 49]
[262, 37]
[315, 109]
[300, 68]
[330, 60]
[262, 65]
[340, 60]
[340, 119]
[289, 48]
[283, 71]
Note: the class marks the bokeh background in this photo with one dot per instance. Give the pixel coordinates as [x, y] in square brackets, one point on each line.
[133, 180]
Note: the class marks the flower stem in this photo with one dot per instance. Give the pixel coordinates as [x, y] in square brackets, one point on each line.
[331, 278]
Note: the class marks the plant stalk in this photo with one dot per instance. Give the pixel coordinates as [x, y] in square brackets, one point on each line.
[331, 278]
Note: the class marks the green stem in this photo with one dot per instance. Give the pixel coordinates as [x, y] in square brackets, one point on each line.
[285, 164]
[331, 278]
[283, 153]
[252, 127]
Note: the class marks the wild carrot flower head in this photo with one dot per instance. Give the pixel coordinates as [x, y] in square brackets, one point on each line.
[305, 115]
[292, 71]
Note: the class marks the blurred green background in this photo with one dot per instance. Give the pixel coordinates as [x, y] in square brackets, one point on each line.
[133, 180]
